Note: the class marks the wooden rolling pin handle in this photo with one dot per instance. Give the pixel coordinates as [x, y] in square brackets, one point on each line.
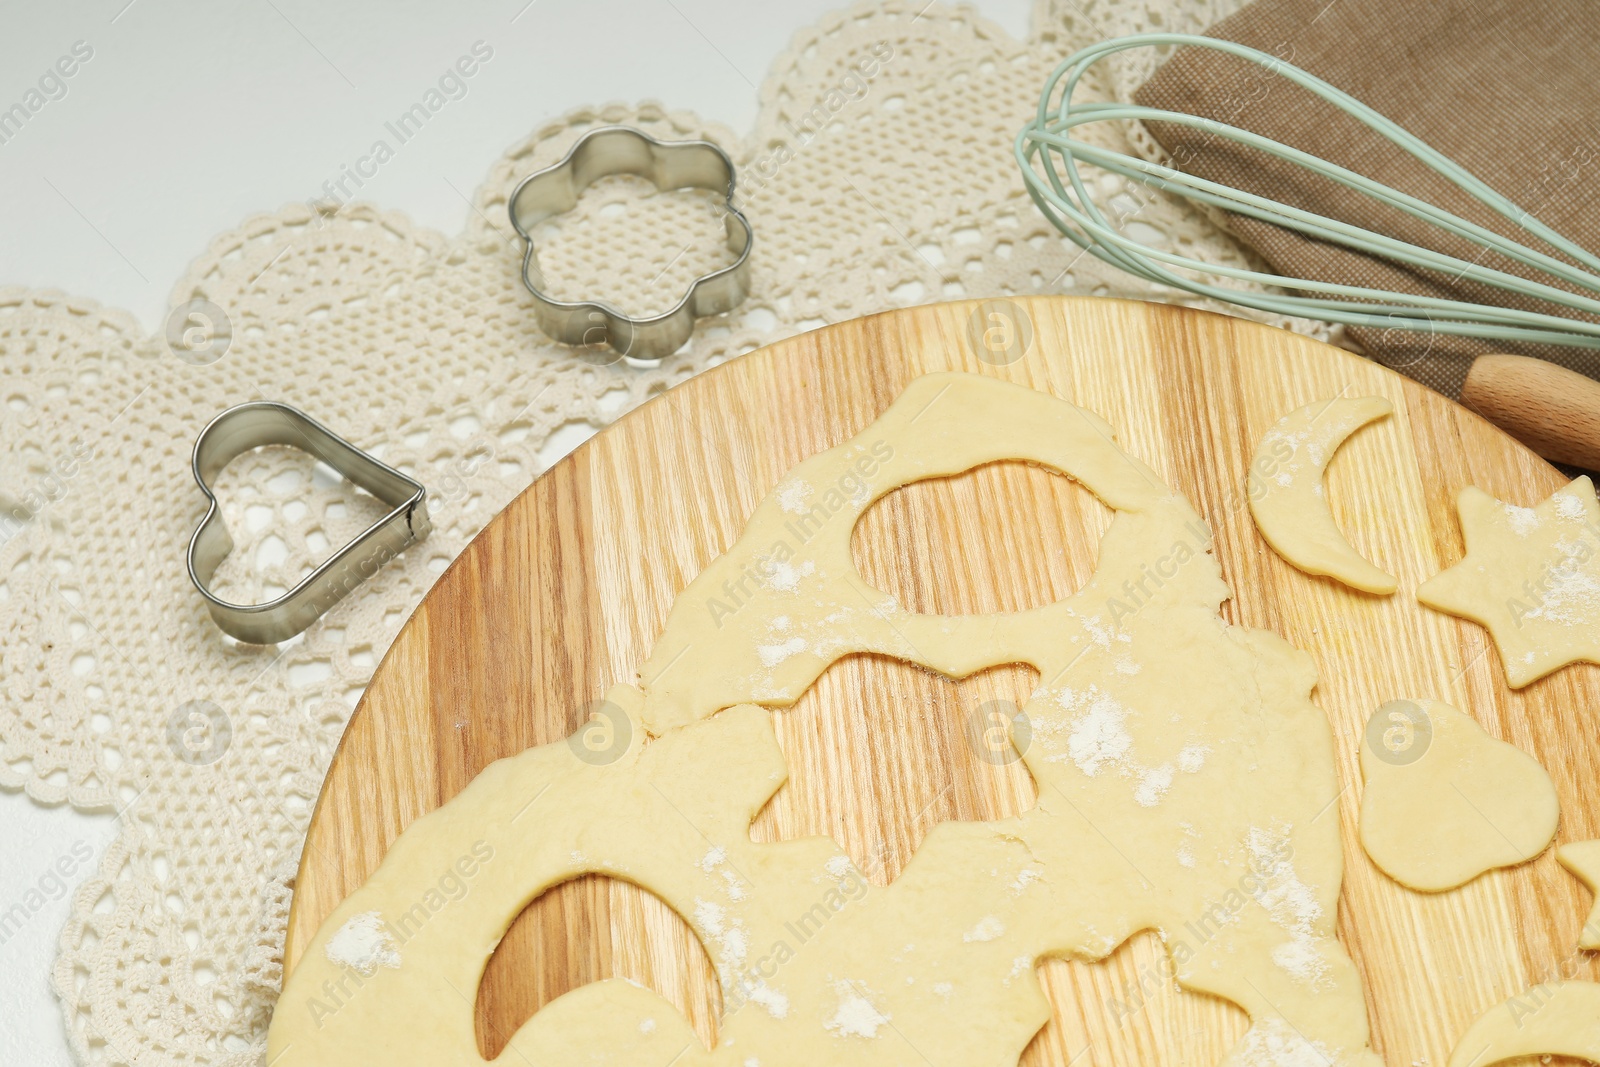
[1552, 410]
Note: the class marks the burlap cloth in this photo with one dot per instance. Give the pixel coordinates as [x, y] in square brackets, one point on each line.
[1506, 88]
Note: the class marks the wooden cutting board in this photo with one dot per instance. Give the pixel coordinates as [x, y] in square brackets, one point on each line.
[564, 592]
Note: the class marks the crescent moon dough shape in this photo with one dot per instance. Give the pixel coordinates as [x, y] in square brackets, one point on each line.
[1556, 1019]
[1162, 805]
[1445, 802]
[1287, 497]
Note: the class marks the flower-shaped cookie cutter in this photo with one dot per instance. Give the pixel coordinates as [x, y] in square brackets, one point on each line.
[264, 422]
[669, 165]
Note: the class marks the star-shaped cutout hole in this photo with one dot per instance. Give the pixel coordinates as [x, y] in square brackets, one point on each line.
[1531, 576]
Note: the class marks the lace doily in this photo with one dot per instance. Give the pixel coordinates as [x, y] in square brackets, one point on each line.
[119, 693]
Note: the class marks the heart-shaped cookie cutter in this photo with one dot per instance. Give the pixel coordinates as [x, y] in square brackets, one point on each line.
[264, 422]
[670, 165]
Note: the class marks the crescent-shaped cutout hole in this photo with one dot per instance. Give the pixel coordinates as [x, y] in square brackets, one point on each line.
[928, 749]
[1005, 536]
[587, 930]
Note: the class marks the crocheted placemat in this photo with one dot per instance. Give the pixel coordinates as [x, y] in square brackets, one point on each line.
[867, 191]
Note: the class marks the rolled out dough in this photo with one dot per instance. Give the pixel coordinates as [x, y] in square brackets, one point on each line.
[1231, 859]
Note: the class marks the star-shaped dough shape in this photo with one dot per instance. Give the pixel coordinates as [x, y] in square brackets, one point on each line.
[1531, 576]
[1583, 860]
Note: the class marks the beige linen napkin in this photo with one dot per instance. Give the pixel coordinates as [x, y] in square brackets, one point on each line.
[1509, 89]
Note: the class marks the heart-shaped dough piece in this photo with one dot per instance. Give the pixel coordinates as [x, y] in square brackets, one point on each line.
[1446, 802]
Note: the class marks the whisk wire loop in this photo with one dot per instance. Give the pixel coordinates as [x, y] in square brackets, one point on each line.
[1049, 158]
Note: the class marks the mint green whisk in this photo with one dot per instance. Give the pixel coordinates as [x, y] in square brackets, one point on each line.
[1049, 158]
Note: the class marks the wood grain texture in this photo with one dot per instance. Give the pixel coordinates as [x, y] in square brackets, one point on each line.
[564, 592]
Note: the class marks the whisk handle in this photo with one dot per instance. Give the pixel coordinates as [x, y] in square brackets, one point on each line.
[1552, 410]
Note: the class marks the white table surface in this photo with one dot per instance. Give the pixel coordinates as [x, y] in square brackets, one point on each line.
[190, 116]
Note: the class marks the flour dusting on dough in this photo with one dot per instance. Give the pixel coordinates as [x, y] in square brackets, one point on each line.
[1275, 1043]
[709, 916]
[1025, 877]
[856, 1017]
[1570, 507]
[772, 655]
[1571, 596]
[1100, 736]
[730, 936]
[792, 497]
[775, 1003]
[786, 576]
[365, 944]
[1523, 520]
[1291, 903]
[1153, 785]
[989, 928]
[1192, 758]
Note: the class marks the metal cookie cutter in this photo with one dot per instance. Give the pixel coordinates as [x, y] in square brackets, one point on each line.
[265, 422]
[670, 165]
